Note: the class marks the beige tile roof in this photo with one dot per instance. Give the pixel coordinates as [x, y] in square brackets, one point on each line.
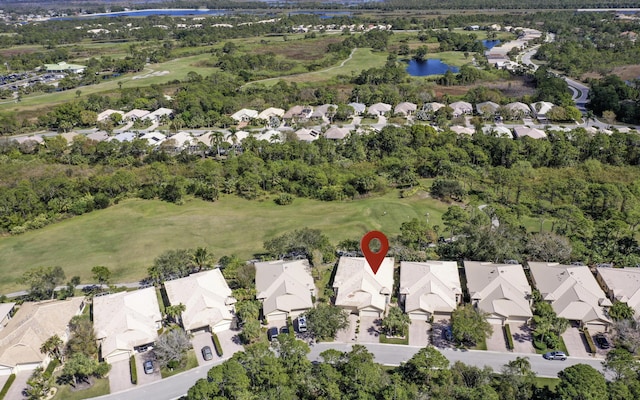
[358, 287]
[572, 290]
[32, 325]
[5, 309]
[284, 286]
[500, 289]
[127, 319]
[206, 297]
[430, 286]
[624, 283]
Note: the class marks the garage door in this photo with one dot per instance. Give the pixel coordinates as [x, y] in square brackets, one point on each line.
[418, 316]
[495, 321]
[5, 370]
[117, 357]
[223, 326]
[277, 317]
[370, 313]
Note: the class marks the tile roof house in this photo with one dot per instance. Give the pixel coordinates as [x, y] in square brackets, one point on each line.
[126, 321]
[307, 135]
[30, 327]
[159, 113]
[107, 114]
[461, 108]
[336, 133]
[487, 107]
[621, 284]
[207, 299]
[271, 112]
[358, 108]
[323, 111]
[573, 293]
[533, 133]
[462, 130]
[124, 137]
[405, 108]
[154, 138]
[98, 136]
[244, 115]
[501, 290]
[5, 313]
[135, 114]
[499, 131]
[379, 109]
[428, 288]
[298, 112]
[432, 107]
[518, 109]
[541, 109]
[360, 291]
[285, 288]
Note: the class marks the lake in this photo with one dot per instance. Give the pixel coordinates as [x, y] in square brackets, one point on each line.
[432, 66]
[490, 44]
[170, 12]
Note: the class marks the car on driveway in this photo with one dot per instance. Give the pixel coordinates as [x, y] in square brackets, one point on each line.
[148, 367]
[206, 353]
[302, 324]
[284, 330]
[448, 333]
[272, 334]
[555, 355]
[602, 341]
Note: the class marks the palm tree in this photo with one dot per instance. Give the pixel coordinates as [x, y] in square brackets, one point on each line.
[216, 139]
[202, 258]
[52, 347]
[174, 312]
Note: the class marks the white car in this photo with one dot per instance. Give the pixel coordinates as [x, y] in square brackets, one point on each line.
[302, 324]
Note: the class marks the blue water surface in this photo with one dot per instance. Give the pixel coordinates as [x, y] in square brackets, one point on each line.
[489, 44]
[432, 66]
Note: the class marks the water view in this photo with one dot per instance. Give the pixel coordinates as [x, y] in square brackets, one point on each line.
[489, 44]
[432, 66]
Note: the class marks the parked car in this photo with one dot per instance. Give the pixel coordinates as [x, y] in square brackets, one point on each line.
[302, 323]
[284, 330]
[448, 333]
[148, 367]
[602, 341]
[206, 353]
[272, 334]
[555, 355]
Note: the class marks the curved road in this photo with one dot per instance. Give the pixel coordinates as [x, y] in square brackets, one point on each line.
[387, 354]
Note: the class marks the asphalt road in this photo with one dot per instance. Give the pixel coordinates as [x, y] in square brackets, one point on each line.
[387, 354]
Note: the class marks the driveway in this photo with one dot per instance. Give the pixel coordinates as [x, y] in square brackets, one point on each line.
[522, 338]
[20, 384]
[497, 341]
[199, 340]
[419, 333]
[437, 333]
[348, 335]
[143, 378]
[120, 376]
[575, 342]
[230, 343]
[369, 330]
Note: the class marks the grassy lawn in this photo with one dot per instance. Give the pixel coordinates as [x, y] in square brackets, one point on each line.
[385, 339]
[192, 362]
[551, 382]
[128, 236]
[100, 387]
[561, 347]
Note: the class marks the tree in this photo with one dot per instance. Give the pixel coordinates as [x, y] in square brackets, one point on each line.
[42, 281]
[101, 274]
[171, 263]
[469, 325]
[455, 218]
[202, 258]
[620, 311]
[622, 364]
[548, 246]
[427, 368]
[38, 385]
[415, 234]
[83, 337]
[396, 322]
[250, 331]
[175, 311]
[326, 320]
[582, 381]
[627, 334]
[80, 367]
[171, 347]
[518, 380]
[52, 347]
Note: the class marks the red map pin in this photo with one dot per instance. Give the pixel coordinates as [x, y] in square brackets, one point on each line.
[374, 258]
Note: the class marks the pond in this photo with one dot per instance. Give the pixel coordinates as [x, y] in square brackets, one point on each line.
[490, 44]
[432, 66]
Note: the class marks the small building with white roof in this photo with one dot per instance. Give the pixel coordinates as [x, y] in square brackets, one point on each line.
[429, 289]
[359, 291]
[244, 115]
[285, 288]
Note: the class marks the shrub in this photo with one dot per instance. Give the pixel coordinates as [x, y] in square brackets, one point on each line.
[216, 344]
[7, 385]
[134, 370]
[51, 367]
[590, 343]
[507, 333]
[284, 199]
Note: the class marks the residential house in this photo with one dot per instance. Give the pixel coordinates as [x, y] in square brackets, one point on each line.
[135, 114]
[207, 299]
[6, 310]
[358, 108]
[533, 133]
[461, 108]
[432, 107]
[69, 136]
[270, 135]
[573, 293]
[271, 112]
[324, 111]
[178, 142]
[33, 138]
[298, 113]
[405, 108]
[64, 67]
[360, 291]
[154, 138]
[429, 289]
[462, 130]
[157, 115]
[487, 107]
[124, 137]
[125, 322]
[621, 284]
[379, 109]
[244, 115]
[500, 290]
[336, 133]
[499, 131]
[30, 327]
[285, 288]
[98, 136]
[518, 110]
[103, 116]
[541, 109]
[307, 135]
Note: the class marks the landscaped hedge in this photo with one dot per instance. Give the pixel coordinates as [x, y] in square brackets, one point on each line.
[51, 367]
[592, 346]
[507, 333]
[7, 385]
[133, 369]
[216, 344]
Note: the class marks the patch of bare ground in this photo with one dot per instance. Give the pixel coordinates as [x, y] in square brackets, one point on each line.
[513, 88]
[302, 50]
[625, 72]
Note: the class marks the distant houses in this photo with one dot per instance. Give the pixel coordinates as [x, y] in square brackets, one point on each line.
[64, 67]
[621, 284]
